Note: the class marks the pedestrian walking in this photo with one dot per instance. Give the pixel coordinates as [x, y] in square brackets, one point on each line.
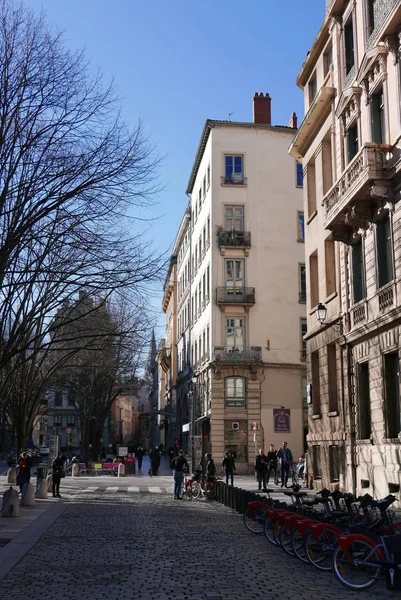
[210, 468]
[58, 473]
[271, 464]
[179, 465]
[154, 461]
[285, 455]
[228, 465]
[261, 469]
[139, 454]
[24, 470]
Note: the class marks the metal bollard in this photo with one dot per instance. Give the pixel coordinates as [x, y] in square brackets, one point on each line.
[75, 470]
[10, 507]
[121, 470]
[49, 482]
[12, 476]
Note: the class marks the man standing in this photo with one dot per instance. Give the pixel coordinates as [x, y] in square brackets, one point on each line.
[178, 465]
[285, 455]
[139, 454]
[228, 465]
[58, 469]
[261, 469]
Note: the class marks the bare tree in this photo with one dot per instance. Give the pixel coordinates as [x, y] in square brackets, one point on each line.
[70, 170]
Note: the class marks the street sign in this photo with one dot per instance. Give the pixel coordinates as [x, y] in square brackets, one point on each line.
[68, 430]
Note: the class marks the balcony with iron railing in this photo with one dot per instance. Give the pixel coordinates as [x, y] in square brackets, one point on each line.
[355, 184]
[237, 355]
[234, 179]
[231, 295]
[234, 239]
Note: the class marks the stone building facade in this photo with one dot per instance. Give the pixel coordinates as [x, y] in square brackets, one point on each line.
[349, 145]
[241, 293]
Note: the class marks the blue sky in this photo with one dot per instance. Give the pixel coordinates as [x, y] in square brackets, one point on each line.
[176, 64]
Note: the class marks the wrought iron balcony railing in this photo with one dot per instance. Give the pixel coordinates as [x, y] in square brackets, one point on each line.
[230, 295]
[239, 239]
[233, 179]
[238, 355]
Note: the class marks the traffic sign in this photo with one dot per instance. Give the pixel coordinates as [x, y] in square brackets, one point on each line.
[68, 430]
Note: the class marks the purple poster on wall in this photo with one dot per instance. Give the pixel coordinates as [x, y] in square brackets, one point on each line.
[281, 420]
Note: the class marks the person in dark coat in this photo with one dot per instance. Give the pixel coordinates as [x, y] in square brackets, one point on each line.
[24, 470]
[154, 461]
[228, 465]
[272, 463]
[261, 469]
[57, 469]
[210, 468]
[139, 454]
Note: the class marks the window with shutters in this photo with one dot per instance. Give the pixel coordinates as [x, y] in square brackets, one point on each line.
[377, 118]
[352, 141]
[332, 377]
[392, 394]
[349, 45]
[358, 272]
[302, 283]
[315, 367]
[235, 392]
[234, 218]
[304, 331]
[317, 462]
[364, 412]
[384, 252]
[299, 174]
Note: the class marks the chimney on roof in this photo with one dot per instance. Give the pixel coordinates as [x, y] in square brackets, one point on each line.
[293, 121]
[262, 109]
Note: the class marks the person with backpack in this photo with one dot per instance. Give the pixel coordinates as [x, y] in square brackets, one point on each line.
[210, 468]
[179, 465]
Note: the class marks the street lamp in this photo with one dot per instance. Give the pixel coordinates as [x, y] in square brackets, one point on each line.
[321, 313]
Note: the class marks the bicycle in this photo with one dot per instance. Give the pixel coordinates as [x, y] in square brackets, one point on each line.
[187, 488]
[359, 561]
[206, 489]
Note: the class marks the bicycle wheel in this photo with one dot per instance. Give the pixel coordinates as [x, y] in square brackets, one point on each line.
[349, 567]
[320, 552]
[285, 537]
[254, 520]
[298, 546]
[269, 530]
[196, 489]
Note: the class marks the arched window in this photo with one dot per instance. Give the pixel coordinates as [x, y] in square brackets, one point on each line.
[235, 392]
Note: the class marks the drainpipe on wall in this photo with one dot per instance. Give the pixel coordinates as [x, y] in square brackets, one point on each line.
[350, 434]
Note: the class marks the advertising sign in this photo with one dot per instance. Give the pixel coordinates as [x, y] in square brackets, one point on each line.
[281, 420]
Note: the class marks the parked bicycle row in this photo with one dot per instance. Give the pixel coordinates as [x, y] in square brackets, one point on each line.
[358, 539]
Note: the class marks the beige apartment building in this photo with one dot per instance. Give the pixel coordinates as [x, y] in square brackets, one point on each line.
[349, 145]
[240, 302]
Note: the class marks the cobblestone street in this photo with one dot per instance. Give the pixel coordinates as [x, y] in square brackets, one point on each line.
[148, 546]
